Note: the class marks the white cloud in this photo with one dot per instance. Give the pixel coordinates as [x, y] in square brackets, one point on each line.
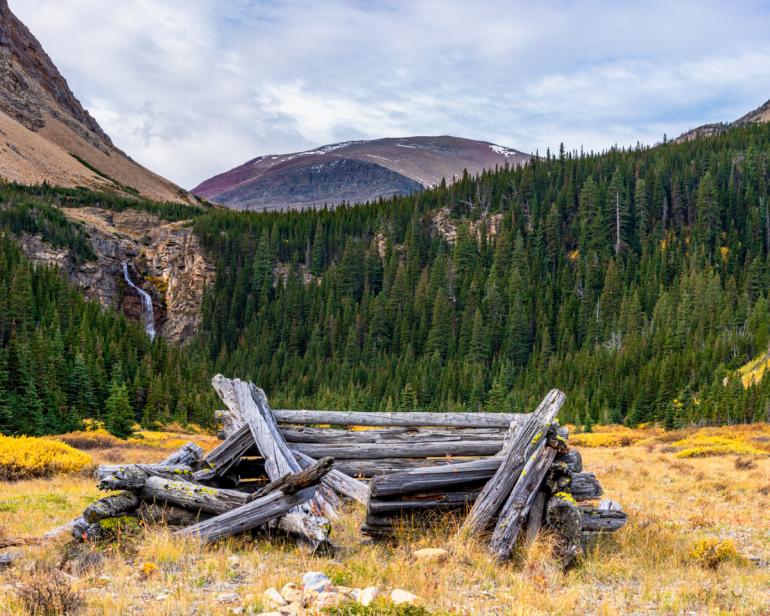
[193, 87]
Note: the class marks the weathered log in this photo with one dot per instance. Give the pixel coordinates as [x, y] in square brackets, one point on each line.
[338, 481]
[564, 519]
[573, 459]
[417, 502]
[514, 512]
[403, 418]
[376, 451]
[134, 476]
[251, 404]
[293, 482]
[192, 496]
[558, 478]
[434, 478]
[605, 520]
[154, 513]
[333, 436]
[111, 506]
[188, 454]
[225, 455]
[229, 422]
[249, 516]
[373, 468]
[585, 486]
[535, 517]
[529, 439]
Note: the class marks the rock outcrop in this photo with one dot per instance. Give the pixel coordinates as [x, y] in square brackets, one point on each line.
[165, 259]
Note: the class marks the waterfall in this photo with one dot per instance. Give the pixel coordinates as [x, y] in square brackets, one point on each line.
[147, 313]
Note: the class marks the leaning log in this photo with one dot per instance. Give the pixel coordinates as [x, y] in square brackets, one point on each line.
[529, 438]
[111, 506]
[250, 402]
[516, 508]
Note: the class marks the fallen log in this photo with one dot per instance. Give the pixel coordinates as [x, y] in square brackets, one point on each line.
[155, 513]
[564, 519]
[188, 454]
[585, 486]
[417, 502]
[275, 500]
[530, 438]
[332, 436]
[434, 478]
[604, 520]
[192, 496]
[134, 476]
[111, 506]
[403, 419]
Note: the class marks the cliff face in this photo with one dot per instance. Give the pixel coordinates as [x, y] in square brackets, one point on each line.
[165, 259]
[47, 135]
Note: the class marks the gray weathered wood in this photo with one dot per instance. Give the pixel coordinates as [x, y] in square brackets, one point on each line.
[535, 517]
[161, 513]
[333, 436]
[293, 482]
[404, 418]
[585, 486]
[249, 402]
[134, 476]
[605, 520]
[528, 439]
[573, 459]
[251, 515]
[192, 496]
[7, 559]
[514, 512]
[417, 502]
[338, 481]
[111, 506]
[189, 454]
[434, 477]
[375, 451]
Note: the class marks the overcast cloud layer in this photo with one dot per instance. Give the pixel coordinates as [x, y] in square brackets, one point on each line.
[193, 87]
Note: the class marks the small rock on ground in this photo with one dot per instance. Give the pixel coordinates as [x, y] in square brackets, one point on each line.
[399, 597]
[431, 554]
[367, 595]
[316, 581]
[273, 598]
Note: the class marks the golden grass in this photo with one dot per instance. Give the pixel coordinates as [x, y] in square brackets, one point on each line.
[22, 457]
[649, 567]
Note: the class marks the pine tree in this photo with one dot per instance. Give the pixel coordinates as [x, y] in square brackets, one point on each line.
[119, 416]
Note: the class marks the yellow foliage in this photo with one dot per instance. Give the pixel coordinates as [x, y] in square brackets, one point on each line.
[573, 255]
[91, 439]
[22, 457]
[700, 445]
[710, 553]
[753, 371]
[608, 436]
[725, 252]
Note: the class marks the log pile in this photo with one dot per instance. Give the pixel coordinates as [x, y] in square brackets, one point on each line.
[288, 469]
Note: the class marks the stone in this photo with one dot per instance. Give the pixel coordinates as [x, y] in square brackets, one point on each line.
[227, 597]
[431, 555]
[326, 600]
[292, 592]
[400, 597]
[273, 598]
[162, 596]
[367, 595]
[316, 581]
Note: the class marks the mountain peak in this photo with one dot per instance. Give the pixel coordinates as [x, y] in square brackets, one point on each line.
[353, 171]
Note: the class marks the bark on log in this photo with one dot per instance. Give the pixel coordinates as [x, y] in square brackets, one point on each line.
[189, 454]
[111, 506]
[434, 478]
[573, 460]
[595, 519]
[339, 482]
[404, 419]
[417, 502]
[155, 513]
[516, 508]
[530, 438]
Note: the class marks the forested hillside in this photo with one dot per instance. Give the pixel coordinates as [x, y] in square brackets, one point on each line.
[634, 280]
[64, 359]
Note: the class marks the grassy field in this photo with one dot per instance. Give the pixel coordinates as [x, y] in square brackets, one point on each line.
[679, 489]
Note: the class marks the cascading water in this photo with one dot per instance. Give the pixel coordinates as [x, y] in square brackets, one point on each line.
[147, 313]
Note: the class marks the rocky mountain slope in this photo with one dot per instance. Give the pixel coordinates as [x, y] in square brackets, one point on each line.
[760, 114]
[353, 171]
[47, 136]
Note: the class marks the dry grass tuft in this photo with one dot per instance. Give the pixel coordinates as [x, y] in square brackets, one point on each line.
[46, 591]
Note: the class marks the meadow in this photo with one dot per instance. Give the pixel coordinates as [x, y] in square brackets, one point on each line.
[697, 542]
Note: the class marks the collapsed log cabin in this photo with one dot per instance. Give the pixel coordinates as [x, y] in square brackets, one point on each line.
[287, 469]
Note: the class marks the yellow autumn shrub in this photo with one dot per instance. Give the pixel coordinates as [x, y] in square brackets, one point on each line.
[91, 439]
[701, 445]
[23, 457]
[710, 553]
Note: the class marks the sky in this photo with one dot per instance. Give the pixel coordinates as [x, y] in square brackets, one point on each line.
[191, 88]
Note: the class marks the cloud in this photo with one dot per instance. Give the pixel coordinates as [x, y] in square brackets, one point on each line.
[193, 87]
